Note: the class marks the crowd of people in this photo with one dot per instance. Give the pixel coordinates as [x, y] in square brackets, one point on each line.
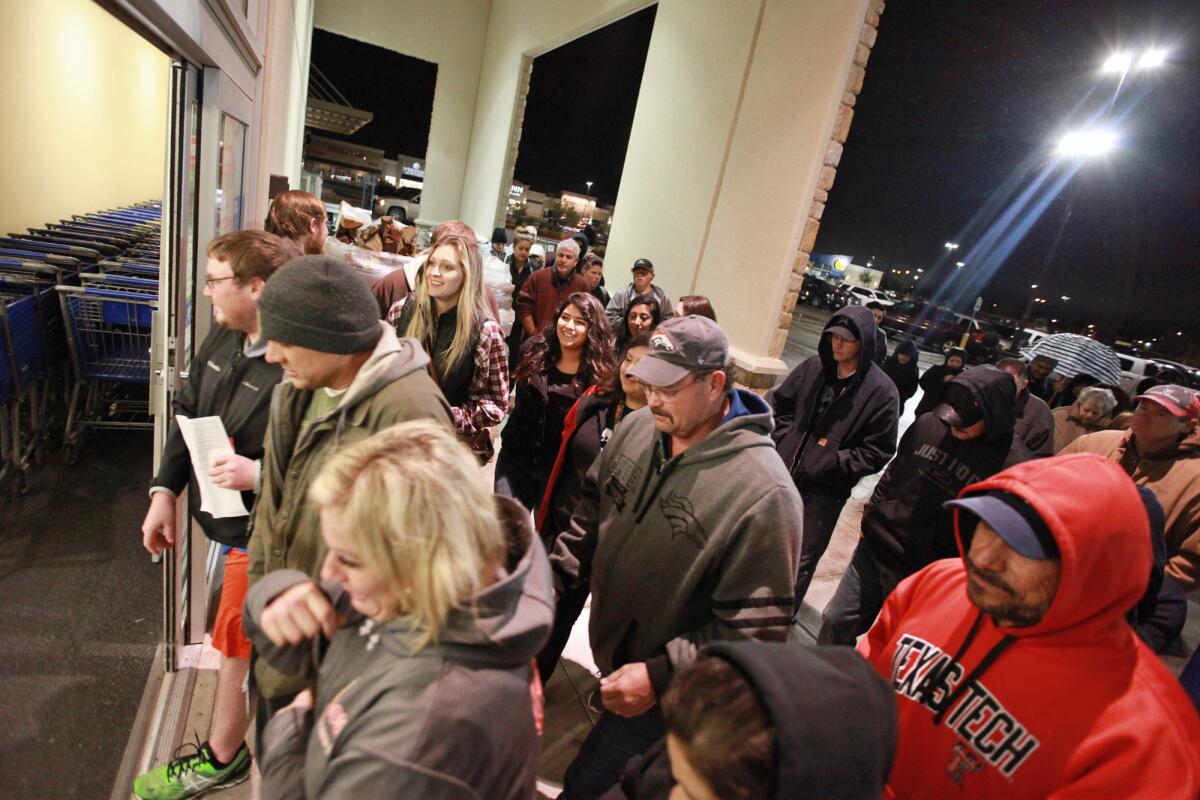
[387, 619]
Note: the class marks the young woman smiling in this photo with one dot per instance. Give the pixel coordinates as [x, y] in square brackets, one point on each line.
[449, 315]
[572, 352]
[588, 427]
[642, 317]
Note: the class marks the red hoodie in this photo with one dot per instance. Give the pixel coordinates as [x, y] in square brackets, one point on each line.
[1072, 707]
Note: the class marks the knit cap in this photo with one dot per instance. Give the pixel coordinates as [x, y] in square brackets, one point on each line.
[319, 303]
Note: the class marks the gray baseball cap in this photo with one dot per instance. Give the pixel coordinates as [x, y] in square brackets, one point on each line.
[680, 346]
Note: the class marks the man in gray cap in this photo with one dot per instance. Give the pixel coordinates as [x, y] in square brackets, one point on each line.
[642, 285]
[688, 531]
[346, 376]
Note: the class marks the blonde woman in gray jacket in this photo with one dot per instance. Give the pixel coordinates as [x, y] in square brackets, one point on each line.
[435, 597]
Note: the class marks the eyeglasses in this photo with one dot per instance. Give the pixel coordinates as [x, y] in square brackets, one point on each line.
[667, 393]
[210, 282]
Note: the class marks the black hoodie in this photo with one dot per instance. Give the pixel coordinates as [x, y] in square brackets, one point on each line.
[934, 381]
[836, 743]
[904, 523]
[905, 376]
[856, 434]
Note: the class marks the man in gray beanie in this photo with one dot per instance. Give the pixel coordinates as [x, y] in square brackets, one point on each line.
[346, 376]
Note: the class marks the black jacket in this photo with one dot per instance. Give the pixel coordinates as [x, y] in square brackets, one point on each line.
[856, 435]
[838, 742]
[904, 523]
[1035, 424]
[934, 383]
[905, 376]
[524, 435]
[223, 382]
[453, 379]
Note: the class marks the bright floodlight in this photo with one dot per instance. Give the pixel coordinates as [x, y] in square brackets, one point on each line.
[951, 245]
[1152, 58]
[1118, 62]
[1087, 143]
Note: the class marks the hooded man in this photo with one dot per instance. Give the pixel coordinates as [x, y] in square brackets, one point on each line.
[935, 379]
[1161, 451]
[688, 530]
[743, 721]
[835, 422]
[964, 440]
[1014, 670]
[901, 366]
[878, 311]
[347, 376]
[1035, 422]
[1040, 383]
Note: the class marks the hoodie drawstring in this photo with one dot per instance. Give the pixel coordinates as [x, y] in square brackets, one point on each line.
[936, 679]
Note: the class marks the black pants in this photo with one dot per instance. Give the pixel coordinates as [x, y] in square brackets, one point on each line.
[566, 612]
[602, 758]
[859, 597]
[821, 512]
[519, 481]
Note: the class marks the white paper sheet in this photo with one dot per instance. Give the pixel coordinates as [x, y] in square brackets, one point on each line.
[206, 440]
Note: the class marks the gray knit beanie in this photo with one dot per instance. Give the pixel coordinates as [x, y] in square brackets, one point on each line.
[319, 303]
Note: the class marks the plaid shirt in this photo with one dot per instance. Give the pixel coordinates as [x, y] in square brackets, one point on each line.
[487, 397]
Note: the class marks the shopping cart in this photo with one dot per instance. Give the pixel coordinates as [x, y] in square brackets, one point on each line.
[22, 365]
[108, 324]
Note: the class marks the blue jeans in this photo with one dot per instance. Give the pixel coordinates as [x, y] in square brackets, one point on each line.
[859, 597]
[602, 758]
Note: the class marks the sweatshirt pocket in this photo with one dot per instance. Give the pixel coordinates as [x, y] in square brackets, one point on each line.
[819, 460]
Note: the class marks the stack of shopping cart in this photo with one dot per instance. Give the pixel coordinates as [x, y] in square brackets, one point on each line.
[81, 290]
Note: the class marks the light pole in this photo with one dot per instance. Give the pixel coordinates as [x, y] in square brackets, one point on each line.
[589, 187]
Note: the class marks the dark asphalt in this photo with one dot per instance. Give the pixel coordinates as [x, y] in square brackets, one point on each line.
[80, 612]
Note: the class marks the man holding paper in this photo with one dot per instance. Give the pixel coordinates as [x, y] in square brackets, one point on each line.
[215, 450]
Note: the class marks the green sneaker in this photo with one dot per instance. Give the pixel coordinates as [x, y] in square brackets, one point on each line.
[192, 775]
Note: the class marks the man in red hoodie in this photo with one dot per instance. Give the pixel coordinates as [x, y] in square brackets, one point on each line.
[1015, 672]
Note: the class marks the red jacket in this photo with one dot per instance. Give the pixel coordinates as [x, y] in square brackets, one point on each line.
[542, 293]
[1077, 706]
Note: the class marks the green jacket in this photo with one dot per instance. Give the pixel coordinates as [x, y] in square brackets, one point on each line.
[393, 386]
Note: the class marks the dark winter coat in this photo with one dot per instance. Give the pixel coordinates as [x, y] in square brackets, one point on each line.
[934, 382]
[905, 376]
[1035, 424]
[904, 523]
[525, 432]
[856, 436]
[453, 379]
[226, 382]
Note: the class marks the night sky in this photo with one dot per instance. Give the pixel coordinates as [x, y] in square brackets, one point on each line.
[961, 97]
[580, 108]
[962, 103]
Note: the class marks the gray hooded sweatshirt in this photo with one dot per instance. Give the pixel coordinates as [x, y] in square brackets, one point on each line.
[686, 550]
[457, 719]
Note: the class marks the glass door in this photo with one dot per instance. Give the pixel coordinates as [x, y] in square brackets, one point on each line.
[174, 324]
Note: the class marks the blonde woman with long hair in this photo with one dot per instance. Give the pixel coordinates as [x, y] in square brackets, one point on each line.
[450, 316]
[434, 598]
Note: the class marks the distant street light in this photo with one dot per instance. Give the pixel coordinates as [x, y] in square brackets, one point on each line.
[1086, 143]
[1117, 63]
[1033, 286]
[1065, 298]
[1121, 62]
[960, 263]
[589, 186]
[951, 245]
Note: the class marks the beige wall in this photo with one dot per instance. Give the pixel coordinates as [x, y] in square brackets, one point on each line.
[282, 99]
[85, 102]
[728, 140]
[449, 33]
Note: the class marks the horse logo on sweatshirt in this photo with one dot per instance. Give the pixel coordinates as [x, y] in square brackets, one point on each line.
[680, 512]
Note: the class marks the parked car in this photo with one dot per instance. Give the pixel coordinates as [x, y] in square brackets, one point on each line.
[861, 295]
[402, 203]
[936, 327]
[823, 294]
[1174, 372]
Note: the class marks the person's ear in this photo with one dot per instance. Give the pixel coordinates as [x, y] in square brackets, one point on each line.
[717, 387]
[256, 287]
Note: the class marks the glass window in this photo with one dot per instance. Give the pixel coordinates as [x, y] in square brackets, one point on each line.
[229, 175]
